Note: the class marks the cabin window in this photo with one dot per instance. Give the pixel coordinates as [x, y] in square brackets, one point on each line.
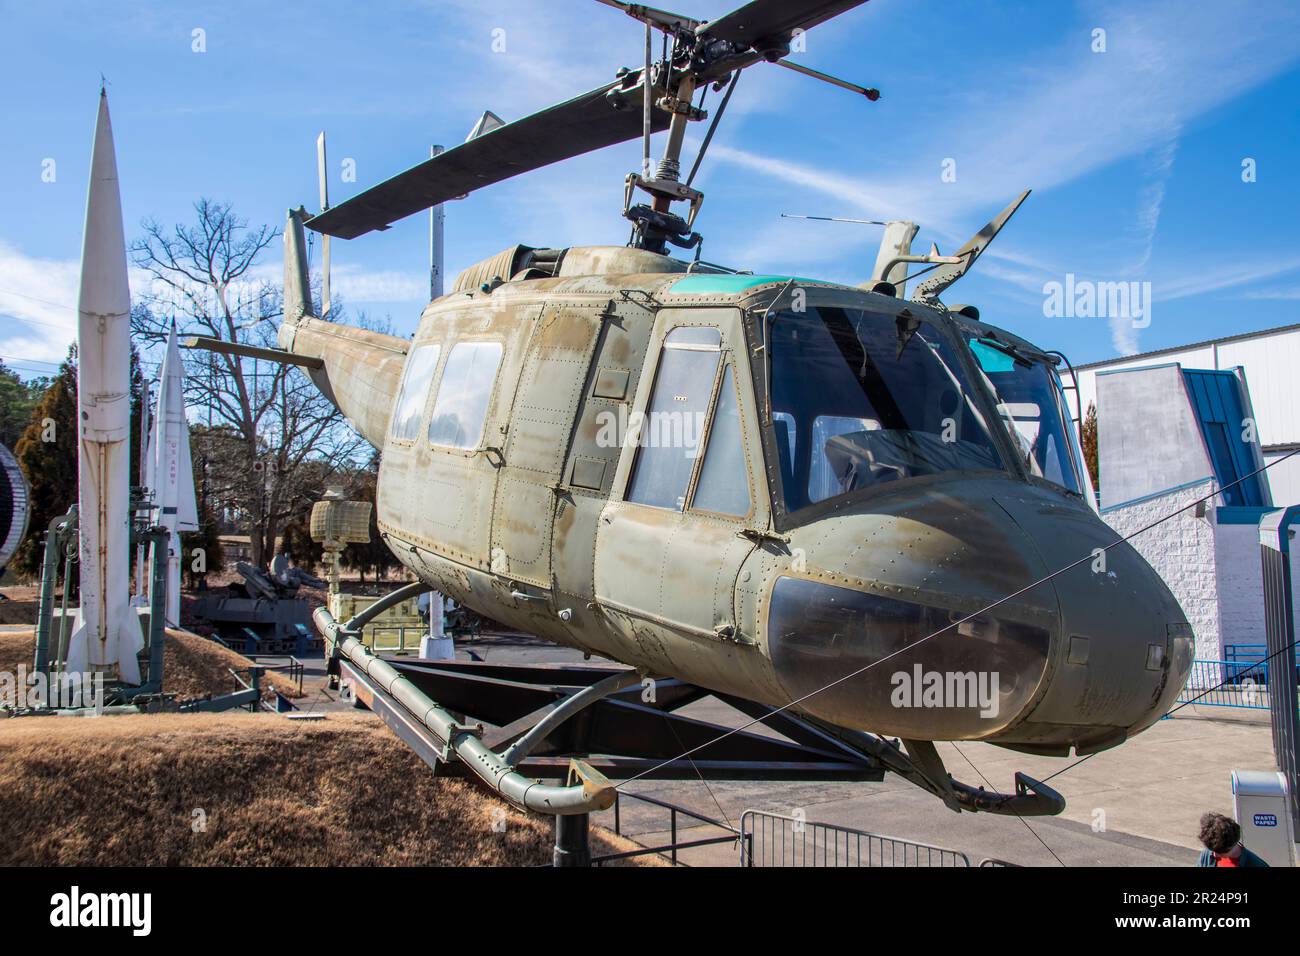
[862, 398]
[464, 394]
[671, 430]
[724, 481]
[414, 389]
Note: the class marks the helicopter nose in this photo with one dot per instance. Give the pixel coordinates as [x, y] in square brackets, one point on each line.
[962, 631]
[1123, 646]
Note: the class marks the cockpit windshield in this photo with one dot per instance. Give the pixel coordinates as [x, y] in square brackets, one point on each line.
[862, 398]
[1032, 405]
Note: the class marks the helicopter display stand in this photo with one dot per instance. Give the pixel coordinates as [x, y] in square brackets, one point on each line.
[620, 736]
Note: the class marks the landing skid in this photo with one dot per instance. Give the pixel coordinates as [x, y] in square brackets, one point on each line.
[623, 734]
[620, 735]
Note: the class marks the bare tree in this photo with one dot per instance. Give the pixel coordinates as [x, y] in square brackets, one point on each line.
[208, 278]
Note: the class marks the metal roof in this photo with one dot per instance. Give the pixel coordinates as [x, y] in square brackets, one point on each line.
[1241, 337]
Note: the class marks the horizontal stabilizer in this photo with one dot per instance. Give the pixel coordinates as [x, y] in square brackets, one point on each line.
[251, 351]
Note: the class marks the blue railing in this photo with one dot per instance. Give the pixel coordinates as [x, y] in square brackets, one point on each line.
[1251, 653]
[1231, 683]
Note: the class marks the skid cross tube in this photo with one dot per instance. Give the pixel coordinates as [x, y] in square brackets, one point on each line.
[565, 709]
[593, 792]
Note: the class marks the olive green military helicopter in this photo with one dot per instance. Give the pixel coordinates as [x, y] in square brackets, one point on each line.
[830, 500]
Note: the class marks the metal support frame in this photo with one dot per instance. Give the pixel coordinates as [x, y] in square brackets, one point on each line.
[430, 728]
[625, 732]
[572, 841]
[159, 540]
[61, 528]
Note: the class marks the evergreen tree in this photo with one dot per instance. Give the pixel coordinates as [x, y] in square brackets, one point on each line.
[17, 399]
[1088, 438]
[47, 453]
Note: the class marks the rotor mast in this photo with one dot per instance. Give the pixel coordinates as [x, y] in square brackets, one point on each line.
[703, 53]
[697, 54]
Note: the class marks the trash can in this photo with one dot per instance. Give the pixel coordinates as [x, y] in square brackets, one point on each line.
[1260, 802]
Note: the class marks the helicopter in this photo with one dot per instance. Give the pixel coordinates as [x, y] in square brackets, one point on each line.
[824, 498]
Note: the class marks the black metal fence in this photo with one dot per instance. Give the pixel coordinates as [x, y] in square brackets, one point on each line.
[1279, 628]
[669, 849]
[772, 839]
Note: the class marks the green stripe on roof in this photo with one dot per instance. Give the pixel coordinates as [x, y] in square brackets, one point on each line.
[726, 284]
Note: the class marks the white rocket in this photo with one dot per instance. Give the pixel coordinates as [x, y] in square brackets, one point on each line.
[107, 635]
[171, 472]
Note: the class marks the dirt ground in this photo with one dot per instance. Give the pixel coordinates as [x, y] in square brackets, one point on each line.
[246, 790]
[193, 666]
[20, 606]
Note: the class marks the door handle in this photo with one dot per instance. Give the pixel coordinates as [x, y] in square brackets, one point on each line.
[759, 535]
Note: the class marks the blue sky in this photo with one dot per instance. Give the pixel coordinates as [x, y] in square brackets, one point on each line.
[1134, 154]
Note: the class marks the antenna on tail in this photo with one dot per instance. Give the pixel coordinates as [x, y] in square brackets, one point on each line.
[323, 177]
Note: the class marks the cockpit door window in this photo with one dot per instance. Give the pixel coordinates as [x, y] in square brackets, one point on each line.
[723, 485]
[672, 429]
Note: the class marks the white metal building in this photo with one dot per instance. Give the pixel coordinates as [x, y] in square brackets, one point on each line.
[1270, 362]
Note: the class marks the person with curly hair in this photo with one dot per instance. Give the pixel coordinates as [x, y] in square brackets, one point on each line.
[1222, 838]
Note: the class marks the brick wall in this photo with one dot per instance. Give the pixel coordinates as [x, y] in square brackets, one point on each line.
[1183, 552]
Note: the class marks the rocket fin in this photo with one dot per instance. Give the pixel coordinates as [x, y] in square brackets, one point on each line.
[187, 516]
[78, 656]
[130, 641]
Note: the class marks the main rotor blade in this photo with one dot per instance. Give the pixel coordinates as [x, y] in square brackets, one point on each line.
[585, 123]
[765, 21]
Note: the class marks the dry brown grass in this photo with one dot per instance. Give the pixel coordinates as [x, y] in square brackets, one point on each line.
[192, 666]
[342, 791]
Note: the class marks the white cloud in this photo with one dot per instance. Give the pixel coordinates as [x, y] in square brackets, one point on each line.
[1218, 279]
[1068, 113]
[1274, 294]
[38, 313]
[354, 284]
[38, 302]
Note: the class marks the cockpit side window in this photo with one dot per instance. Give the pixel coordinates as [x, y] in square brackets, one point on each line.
[862, 398]
[1031, 401]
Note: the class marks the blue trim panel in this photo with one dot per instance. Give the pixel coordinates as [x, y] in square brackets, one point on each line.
[1157, 494]
[1241, 514]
